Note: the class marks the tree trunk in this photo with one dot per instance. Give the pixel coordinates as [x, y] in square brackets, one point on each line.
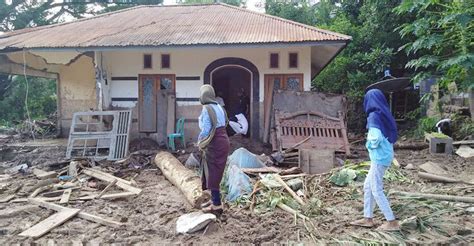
[181, 177]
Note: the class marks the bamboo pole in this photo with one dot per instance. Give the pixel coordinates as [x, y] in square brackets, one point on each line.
[292, 193]
[464, 199]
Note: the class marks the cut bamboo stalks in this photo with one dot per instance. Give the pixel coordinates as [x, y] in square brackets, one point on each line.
[287, 188]
[181, 177]
[449, 198]
[290, 210]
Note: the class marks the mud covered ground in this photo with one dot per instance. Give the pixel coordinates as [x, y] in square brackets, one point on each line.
[151, 216]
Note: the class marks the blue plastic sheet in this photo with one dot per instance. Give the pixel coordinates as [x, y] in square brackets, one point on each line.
[238, 182]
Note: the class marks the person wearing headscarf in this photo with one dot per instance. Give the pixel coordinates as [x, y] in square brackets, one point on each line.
[382, 134]
[214, 143]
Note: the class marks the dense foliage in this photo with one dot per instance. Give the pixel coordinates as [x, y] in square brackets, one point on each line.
[444, 39]
[41, 100]
[374, 45]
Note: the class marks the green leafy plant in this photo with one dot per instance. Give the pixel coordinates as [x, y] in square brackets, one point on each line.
[443, 44]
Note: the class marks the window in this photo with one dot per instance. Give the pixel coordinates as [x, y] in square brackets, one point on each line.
[147, 61]
[293, 60]
[165, 61]
[274, 60]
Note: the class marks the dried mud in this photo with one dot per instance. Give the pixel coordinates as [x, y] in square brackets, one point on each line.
[151, 217]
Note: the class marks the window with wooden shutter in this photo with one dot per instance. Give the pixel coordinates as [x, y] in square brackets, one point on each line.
[274, 59]
[147, 61]
[165, 61]
[293, 60]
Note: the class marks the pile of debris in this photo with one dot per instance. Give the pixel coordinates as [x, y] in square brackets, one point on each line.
[75, 186]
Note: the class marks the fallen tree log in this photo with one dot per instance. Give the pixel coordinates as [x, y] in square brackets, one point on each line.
[181, 177]
[449, 198]
[438, 178]
[411, 146]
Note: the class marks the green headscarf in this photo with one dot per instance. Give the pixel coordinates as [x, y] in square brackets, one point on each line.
[208, 96]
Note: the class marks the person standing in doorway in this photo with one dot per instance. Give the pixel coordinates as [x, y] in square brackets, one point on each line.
[382, 134]
[214, 143]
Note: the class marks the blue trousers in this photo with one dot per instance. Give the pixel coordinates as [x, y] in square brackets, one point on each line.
[373, 193]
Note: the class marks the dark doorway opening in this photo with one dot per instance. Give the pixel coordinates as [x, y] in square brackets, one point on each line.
[233, 84]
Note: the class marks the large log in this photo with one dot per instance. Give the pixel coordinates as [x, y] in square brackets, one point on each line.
[181, 177]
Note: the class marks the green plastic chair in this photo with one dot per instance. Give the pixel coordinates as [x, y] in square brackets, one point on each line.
[179, 134]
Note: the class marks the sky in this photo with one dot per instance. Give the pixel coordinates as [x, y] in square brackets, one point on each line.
[255, 5]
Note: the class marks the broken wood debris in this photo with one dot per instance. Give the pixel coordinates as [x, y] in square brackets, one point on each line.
[81, 214]
[43, 174]
[50, 223]
[122, 183]
[107, 188]
[6, 198]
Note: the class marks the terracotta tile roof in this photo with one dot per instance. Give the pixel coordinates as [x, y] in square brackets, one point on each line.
[178, 25]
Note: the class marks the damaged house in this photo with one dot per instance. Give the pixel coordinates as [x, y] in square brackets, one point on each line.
[153, 60]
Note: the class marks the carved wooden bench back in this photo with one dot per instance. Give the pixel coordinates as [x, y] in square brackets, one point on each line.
[326, 132]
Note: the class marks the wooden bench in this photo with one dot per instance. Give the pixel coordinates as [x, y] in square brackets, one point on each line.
[326, 132]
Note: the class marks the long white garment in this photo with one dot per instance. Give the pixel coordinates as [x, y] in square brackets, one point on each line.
[241, 126]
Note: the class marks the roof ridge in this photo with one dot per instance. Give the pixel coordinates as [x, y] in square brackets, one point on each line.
[286, 20]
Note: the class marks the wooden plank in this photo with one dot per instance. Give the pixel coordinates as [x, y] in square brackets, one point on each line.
[110, 178]
[107, 177]
[43, 174]
[107, 188]
[109, 196]
[65, 197]
[50, 223]
[82, 215]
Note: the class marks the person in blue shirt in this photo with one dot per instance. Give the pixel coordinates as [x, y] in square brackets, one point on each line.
[214, 143]
[382, 134]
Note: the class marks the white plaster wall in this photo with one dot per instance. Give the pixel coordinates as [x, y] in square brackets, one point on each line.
[193, 62]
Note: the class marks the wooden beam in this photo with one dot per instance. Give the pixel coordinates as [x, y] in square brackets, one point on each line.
[107, 177]
[82, 215]
[107, 188]
[122, 183]
[65, 197]
[17, 69]
[108, 196]
[50, 223]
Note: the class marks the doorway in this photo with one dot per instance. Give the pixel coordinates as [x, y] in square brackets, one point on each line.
[233, 84]
[252, 86]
